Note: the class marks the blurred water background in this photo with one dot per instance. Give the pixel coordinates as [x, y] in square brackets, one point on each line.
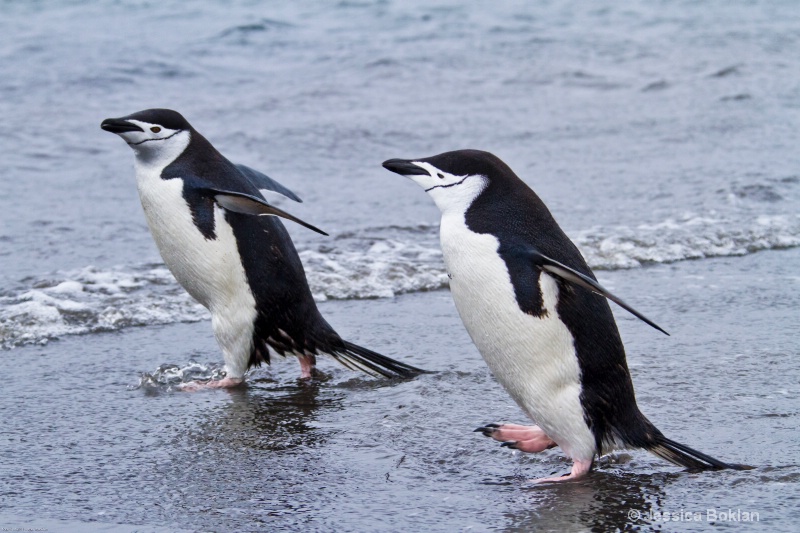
[662, 135]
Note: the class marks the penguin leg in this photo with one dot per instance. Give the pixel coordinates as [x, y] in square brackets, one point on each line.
[307, 366]
[528, 439]
[579, 469]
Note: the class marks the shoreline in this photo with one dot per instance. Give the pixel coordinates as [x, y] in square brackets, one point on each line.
[283, 453]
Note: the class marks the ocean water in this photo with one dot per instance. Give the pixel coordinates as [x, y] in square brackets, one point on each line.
[662, 135]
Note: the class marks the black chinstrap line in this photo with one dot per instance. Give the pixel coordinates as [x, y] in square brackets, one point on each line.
[164, 139]
[446, 186]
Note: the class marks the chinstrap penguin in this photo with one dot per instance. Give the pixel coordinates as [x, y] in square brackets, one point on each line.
[532, 307]
[206, 216]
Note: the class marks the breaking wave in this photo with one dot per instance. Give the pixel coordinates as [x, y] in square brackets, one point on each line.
[691, 237]
[93, 300]
[371, 263]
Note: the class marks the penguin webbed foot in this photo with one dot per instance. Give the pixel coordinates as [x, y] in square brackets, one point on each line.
[224, 383]
[315, 375]
[579, 469]
[529, 439]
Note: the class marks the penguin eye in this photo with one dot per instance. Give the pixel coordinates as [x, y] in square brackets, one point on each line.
[441, 176]
[155, 129]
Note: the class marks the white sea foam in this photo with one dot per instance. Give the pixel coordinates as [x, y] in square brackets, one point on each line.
[376, 263]
[371, 263]
[91, 300]
[690, 237]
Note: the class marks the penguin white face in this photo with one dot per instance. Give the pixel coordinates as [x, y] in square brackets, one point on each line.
[155, 135]
[451, 190]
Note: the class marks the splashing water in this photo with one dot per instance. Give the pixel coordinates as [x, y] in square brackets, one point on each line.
[170, 376]
[371, 263]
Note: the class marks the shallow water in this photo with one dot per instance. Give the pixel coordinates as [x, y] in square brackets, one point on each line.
[662, 135]
[352, 453]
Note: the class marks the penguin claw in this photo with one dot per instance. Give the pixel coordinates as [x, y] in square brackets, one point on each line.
[529, 439]
[487, 430]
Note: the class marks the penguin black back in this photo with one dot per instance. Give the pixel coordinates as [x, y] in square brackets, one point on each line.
[288, 319]
[530, 303]
[513, 213]
[220, 238]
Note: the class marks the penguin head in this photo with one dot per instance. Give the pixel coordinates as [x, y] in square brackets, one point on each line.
[154, 134]
[452, 179]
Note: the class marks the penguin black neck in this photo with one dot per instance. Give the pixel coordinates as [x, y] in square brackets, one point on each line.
[510, 207]
[201, 160]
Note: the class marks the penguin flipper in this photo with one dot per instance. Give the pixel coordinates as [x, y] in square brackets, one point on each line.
[573, 276]
[250, 205]
[262, 181]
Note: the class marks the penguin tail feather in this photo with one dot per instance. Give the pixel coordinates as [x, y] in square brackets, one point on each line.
[687, 457]
[356, 357]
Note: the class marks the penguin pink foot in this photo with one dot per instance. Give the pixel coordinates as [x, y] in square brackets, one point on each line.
[530, 439]
[307, 366]
[225, 383]
[579, 470]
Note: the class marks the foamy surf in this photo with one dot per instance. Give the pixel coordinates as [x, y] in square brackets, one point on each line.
[376, 263]
[371, 263]
[171, 377]
[688, 237]
[92, 300]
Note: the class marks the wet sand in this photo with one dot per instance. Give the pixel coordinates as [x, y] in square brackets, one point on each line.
[82, 448]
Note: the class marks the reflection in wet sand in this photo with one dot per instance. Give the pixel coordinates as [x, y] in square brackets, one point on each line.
[267, 418]
[605, 501]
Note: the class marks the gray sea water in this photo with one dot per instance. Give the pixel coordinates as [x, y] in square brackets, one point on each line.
[662, 135]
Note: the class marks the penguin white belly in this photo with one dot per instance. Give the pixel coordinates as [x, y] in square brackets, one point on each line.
[210, 270]
[533, 358]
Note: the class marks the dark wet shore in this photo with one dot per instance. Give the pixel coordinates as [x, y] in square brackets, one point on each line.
[351, 453]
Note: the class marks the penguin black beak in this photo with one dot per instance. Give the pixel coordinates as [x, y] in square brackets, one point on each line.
[118, 125]
[404, 167]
